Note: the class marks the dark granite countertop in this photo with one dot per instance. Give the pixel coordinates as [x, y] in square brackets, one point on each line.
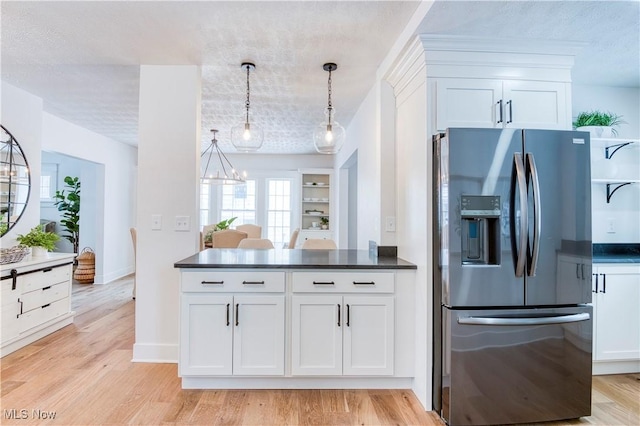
[616, 253]
[291, 259]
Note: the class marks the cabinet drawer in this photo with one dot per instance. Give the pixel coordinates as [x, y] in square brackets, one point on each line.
[236, 282]
[50, 276]
[43, 314]
[343, 282]
[37, 298]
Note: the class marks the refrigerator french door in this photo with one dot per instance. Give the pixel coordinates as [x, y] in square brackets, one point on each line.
[507, 322]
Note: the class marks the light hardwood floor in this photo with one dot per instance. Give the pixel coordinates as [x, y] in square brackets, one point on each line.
[83, 375]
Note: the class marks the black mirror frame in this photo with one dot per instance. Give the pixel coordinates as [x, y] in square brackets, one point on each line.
[11, 142]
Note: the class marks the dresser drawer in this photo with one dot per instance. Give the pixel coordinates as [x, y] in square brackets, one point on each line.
[45, 295]
[45, 278]
[232, 281]
[343, 282]
[43, 314]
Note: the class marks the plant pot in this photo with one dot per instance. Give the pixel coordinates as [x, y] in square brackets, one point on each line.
[38, 251]
[597, 131]
[325, 227]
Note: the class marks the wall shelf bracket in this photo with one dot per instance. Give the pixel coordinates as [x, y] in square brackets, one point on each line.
[609, 154]
[610, 192]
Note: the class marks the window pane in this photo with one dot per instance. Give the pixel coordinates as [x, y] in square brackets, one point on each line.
[279, 211]
[239, 201]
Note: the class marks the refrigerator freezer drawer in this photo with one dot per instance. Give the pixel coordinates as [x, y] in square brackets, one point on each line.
[516, 365]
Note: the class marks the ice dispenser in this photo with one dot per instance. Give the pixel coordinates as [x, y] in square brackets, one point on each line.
[480, 216]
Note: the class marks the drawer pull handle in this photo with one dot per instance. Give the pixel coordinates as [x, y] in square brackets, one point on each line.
[47, 270]
[14, 278]
[44, 306]
[252, 282]
[364, 283]
[323, 283]
[46, 288]
[227, 314]
[338, 315]
[237, 314]
[21, 303]
[212, 282]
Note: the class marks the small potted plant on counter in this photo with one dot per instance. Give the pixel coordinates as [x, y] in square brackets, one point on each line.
[40, 241]
[599, 124]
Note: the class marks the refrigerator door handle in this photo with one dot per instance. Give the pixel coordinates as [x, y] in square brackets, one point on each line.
[535, 250]
[560, 319]
[520, 253]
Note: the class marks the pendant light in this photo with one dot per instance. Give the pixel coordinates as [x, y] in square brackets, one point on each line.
[247, 137]
[328, 137]
[225, 173]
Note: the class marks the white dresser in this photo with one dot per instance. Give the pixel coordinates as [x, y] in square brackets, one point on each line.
[35, 299]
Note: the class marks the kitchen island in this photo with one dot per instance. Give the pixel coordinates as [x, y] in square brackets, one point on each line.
[287, 319]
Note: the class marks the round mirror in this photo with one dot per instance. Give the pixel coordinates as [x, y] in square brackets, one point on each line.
[15, 182]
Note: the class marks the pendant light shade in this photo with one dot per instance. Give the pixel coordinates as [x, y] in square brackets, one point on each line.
[329, 136]
[218, 169]
[246, 136]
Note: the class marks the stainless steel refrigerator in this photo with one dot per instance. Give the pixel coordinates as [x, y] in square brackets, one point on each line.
[512, 320]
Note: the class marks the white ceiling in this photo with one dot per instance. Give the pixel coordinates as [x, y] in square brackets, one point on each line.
[83, 58]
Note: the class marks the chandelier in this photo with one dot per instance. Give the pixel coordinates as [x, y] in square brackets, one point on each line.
[224, 173]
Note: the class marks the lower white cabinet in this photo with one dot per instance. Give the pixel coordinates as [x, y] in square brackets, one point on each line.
[36, 299]
[342, 335]
[616, 299]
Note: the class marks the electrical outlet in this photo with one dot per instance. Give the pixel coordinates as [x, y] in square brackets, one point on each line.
[156, 222]
[182, 223]
[611, 226]
[390, 224]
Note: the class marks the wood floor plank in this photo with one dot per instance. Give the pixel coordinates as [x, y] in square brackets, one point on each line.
[84, 375]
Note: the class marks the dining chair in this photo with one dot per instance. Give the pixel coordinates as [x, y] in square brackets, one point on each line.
[255, 243]
[253, 231]
[319, 244]
[134, 240]
[227, 238]
[294, 238]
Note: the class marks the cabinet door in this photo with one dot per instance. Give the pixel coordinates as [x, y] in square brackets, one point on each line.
[10, 326]
[316, 338]
[368, 335]
[467, 102]
[617, 317]
[258, 342]
[535, 105]
[206, 335]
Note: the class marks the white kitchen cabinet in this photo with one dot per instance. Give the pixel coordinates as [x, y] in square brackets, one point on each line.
[36, 299]
[230, 326]
[495, 103]
[575, 273]
[346, 327]
[616, 299]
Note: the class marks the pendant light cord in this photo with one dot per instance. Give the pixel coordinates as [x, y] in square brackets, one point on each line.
[246, 104]
[329, 105]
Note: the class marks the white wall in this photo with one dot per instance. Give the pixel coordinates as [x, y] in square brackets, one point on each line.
[21, 115]
[115, 204]
[168, 185]
[624, 209]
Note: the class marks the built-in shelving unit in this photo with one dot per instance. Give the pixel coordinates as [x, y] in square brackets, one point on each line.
[611, 146]
[315, 198]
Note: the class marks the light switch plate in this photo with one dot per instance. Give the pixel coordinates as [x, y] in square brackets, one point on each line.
[156, 222]
[182, 223]
[390, 224]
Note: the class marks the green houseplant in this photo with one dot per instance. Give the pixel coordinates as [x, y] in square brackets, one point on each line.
[598, 119]
[223, 224]
[325, 222]
[68, 202]
[37, 237]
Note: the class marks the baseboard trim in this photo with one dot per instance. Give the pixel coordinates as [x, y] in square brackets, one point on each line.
[297, 383]
[155, 353]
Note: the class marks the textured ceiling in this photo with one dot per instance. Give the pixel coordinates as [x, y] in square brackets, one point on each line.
[83, 58]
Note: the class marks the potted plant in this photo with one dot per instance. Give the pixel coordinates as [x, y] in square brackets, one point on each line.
[40, 241]
[69, 204]
[599, 124]
[325, 222]
[223, 224]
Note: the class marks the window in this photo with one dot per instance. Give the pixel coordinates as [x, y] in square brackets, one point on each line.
[239, 201]
[205, 203]
[48, 182]
[279, 211]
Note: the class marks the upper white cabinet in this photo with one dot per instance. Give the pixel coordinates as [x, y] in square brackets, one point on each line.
[495, 103]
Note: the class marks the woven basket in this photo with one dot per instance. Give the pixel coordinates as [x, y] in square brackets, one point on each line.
[86, 269]
[13, 254]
